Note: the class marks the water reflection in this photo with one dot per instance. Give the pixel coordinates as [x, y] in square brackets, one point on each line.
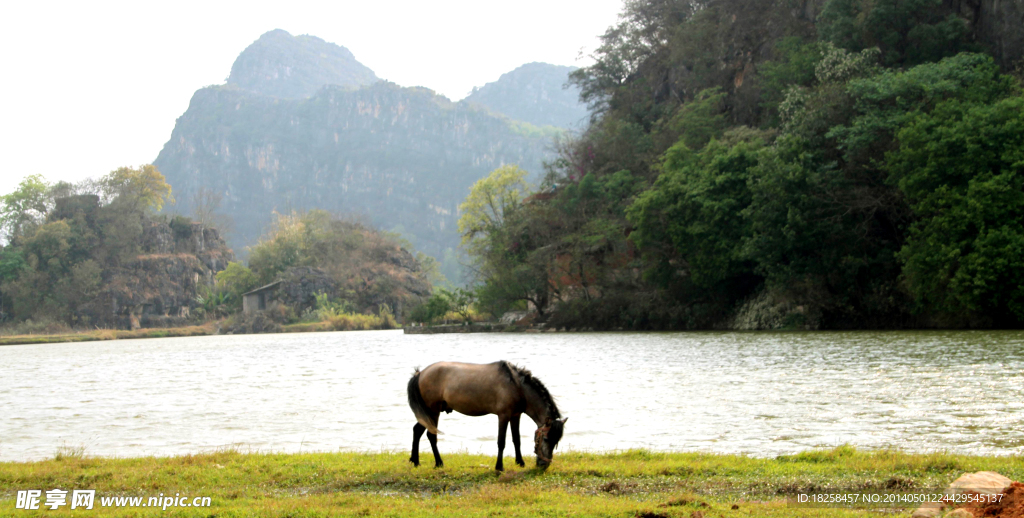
[756, 393]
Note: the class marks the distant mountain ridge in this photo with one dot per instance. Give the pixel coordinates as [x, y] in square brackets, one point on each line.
[295, 67]
[301, 124]
[537, 93]
[281, 136]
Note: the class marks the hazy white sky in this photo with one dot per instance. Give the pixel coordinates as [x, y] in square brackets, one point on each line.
[90, 86]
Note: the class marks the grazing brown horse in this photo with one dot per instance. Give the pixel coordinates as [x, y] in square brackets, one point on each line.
[498, 388]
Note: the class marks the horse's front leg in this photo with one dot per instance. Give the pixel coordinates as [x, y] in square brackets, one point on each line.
[515, 439]
[417, 432]
[502, 428]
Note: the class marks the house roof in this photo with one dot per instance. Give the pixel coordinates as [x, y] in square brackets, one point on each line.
[262, 288]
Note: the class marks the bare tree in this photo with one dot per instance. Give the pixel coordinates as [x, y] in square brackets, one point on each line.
[205, 203]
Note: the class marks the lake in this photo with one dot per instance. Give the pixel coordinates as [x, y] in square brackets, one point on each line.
[761, 394]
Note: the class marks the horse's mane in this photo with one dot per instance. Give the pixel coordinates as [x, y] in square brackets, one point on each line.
[522, 376]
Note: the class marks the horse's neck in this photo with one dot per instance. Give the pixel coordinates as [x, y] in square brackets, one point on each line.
[536, 406]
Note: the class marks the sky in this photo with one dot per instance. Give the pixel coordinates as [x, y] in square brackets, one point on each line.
[88, 87]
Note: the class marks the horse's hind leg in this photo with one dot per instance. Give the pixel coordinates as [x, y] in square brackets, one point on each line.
[515, 439]
[502, 428]
[432, 437]
[417, 432]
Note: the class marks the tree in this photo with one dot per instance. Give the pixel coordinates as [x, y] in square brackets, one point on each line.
[693, 214]
[235, 280]
[490, 201]
[24, 208]
[205, 202]
[141, 189]
[961, 167]
[645, 30]
[459, 300]
[370, 267]
[908, 32]
[435, 307]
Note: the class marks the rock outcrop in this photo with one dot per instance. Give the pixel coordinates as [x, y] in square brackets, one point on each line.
[159, 286]
[403, 158]
[537, 93]
[300, 285]
[295, 67]
[301, 124]
[982, 483]
[997, 25]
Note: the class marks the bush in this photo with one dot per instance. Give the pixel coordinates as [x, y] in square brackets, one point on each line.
[37, 327]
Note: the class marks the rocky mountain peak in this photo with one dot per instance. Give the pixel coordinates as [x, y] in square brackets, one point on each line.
[534, 93]
[295, 67]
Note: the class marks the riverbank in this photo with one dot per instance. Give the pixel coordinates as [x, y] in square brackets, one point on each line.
[210, 328]
[624, 484]
[344, 323]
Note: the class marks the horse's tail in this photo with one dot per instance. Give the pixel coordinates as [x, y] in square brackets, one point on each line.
[419, 406]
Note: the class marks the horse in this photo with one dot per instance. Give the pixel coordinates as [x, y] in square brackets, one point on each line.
[499, 388]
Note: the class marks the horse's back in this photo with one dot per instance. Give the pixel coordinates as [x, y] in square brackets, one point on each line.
[469, 388]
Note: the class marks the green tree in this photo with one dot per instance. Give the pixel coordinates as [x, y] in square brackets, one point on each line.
[24, 208]
[961, 167]
[908, 32]
[139, 189]
[370, 267]
[491, 200]
[692, 219]
[235, 280]
[435, 307]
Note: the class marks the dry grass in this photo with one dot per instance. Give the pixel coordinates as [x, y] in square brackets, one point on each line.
[345, 322]
[109, 334]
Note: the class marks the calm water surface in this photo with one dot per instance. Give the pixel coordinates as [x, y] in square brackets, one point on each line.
[756, 393]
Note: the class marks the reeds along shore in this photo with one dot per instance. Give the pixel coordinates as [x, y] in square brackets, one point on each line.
[109, 334]
[623, 484]
[345, 322]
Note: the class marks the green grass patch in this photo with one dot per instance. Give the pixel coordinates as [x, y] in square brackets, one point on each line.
[624, 484]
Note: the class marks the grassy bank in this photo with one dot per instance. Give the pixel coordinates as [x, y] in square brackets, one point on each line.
[626, 484]
[209, 328]
[340, 323]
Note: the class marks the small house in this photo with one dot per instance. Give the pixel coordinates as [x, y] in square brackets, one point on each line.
[257, 299]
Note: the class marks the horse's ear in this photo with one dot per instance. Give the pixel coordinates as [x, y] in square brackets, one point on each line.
[563, 420]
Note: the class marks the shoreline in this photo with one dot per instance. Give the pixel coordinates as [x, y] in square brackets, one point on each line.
[622, 483]
[207, 329]
[211, 329]
[97, 335]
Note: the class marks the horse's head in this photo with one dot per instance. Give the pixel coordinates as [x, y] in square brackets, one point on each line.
[546, 439]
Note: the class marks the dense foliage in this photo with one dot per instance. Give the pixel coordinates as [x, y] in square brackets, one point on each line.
[65, 243]
[864, 172]
[346, 266]
[99, 254]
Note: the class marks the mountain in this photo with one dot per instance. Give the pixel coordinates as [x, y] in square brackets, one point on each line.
[534, 93]
[400, 158]
[294, 67]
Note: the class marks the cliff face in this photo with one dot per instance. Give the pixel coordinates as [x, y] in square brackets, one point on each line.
[294, 67]
[998, 25]
[536, 93]
[403, 158]
[159, 286]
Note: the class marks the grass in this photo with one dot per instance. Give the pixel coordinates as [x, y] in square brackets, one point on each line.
[635, 483]
[343, 322]
[109, 334]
